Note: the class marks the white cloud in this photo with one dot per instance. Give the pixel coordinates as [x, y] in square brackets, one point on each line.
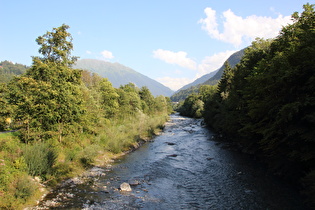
[237, 29]
[88, 52]
[174, 83]
[179, 58]
[208, 64]
[107, 54]
[212, 63]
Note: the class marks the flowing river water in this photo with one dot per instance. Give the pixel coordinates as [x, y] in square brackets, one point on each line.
[183, 168]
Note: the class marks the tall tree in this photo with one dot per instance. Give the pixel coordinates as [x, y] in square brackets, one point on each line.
[61, 103]
[56, 46]
[148, 102]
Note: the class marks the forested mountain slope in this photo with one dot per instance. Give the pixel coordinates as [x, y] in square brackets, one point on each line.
[200, 80]
[8, 70]
[211, 79]
[119, 74]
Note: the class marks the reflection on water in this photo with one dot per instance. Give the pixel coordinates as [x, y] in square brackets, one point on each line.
[182, 169]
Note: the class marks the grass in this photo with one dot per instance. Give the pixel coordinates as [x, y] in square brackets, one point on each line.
[18, 165]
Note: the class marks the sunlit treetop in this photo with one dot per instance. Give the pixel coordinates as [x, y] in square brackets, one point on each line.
[56, 47]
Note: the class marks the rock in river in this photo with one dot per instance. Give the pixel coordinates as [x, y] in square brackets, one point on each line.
[133, 182]
[125, 187]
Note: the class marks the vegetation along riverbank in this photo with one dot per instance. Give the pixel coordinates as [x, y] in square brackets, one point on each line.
[266, 103]
[67, 120]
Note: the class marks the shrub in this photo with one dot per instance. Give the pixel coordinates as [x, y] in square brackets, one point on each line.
[88, 154]
[25, 188]
[39, 159]
[72, 153]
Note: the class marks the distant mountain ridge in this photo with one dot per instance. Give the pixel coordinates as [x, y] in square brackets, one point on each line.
[8, 70]
[119, 74]
[200, 80]
[209, 79]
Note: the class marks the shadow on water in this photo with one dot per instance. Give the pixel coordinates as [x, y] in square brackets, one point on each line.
[181, 169]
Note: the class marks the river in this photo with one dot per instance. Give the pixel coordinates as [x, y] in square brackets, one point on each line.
[183, 168]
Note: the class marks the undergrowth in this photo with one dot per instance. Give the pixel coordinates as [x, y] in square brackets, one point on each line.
[25, 167]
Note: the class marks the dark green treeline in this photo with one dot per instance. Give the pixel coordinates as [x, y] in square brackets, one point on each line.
[266, 103]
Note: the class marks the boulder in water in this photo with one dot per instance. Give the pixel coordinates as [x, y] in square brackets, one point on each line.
[125, 187]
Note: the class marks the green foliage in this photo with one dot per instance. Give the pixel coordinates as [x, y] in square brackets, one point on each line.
[109, 98]
[16, 187]
[267, 101]
[6, 110]
[74, 112]
[40, 159]
[183, 94]
[48, 99]
[148, 102]
[88, 154]
[56, 47]
[25, 188]
[193, 106]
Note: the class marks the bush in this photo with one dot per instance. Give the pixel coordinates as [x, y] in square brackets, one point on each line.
[72, 153]
[25, 188]
[39, 159]
[88, 154]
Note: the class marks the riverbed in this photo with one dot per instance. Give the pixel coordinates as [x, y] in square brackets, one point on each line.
[183, 168]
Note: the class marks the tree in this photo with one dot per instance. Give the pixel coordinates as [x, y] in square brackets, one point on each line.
[148, 102]
[268, 104]
[109, 98]
[6, 110]
[224, 85]
[48, 97]
[56, 47]
[129, 100]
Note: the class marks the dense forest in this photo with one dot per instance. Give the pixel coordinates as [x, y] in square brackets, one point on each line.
[266, 103]
[65, 119]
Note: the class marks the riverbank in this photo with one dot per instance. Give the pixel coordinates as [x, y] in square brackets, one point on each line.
[104, 159]
[95, 171]
[21, 190]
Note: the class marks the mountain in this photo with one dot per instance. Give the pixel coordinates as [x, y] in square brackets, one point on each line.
[119, 74]
[198, 81]
[208, 79]
[8, 70]
[234, 59]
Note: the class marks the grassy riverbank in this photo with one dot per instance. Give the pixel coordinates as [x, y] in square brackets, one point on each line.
[19, 189]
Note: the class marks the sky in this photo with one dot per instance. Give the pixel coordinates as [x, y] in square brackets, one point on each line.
[171, 41]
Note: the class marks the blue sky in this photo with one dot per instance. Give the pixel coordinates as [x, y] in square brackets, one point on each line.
[171, 41]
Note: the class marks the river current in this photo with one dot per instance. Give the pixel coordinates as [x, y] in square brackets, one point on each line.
[183, 168]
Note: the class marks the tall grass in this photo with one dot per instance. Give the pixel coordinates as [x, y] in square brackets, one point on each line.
[125, 133]
[39, 159]
[17, 188]
[19, 162]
